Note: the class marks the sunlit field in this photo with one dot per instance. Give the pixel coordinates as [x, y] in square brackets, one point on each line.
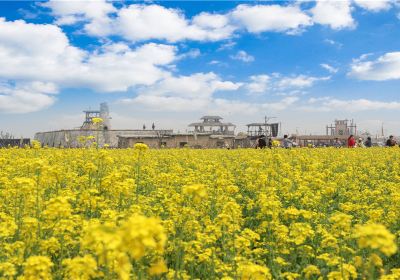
[199, 214]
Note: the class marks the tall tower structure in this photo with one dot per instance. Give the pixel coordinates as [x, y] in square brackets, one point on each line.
[105, 115]
[342, 128]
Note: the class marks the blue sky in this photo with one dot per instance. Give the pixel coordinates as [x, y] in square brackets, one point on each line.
[304, 62]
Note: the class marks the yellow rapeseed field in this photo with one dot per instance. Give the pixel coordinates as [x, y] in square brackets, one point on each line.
[199, 214]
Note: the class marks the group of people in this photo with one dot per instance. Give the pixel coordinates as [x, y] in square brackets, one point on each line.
[262, 142]
[352, 143]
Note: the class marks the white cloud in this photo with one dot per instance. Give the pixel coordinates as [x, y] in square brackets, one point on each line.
[336, 14]
[227, 46]
[374, 5]
[125, 69]
[142, 22]
[183, 93]
[329, 68]
[327, 104]
[221, 106]
[243, 56]
[258, 84]
[277, 18]
[299, 81]
[93, 13]
[22, 53]
[145, 22]
[333, 43]
[280, 85]
[26, 97]
[193, 53]
[282, 104]
[385, 67]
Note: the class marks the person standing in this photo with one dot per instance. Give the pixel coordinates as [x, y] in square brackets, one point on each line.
[270, 144]
[360, 143]
[351, 142]
[261, 143]
[368, 142]
[286, 143]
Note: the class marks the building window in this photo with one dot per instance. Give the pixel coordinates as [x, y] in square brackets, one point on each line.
[182, 144]
[220, 144]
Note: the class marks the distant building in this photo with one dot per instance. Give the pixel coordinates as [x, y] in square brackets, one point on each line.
[214, 126]
[103, 133]
[210, 133]
[262, 129]
[178, 140]
[341, 130]
[103, 113]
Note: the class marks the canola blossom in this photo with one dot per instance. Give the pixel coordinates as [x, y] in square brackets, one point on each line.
[199, 214]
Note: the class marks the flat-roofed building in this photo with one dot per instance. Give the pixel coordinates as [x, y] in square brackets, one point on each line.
[213, 125]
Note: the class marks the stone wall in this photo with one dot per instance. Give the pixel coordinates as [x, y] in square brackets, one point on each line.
[178, 141]
[69, 138]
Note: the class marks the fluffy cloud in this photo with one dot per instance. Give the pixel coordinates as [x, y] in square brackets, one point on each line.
[183, 93]
[26, 97]
[385, 67]
[374, 5]
[262, 18]
[328, 104]
[336, 14]
[22, 53]
[282, 104]
[258, 84]
[243, 56]
[146, 22]
[93, 13]
[141, 22]
[300, 81]
[280, 85]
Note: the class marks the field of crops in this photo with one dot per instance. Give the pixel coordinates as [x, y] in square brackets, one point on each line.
[200, 214]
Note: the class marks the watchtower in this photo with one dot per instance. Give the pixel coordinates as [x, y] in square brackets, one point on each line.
[103, 113]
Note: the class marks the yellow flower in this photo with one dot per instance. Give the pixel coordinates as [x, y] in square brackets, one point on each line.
[141, 234]
[377, 237]
[7, 270]
[140, 147]
[7, 225]
[310, 271]
[254, 272]
[97, 120]
[197, 191]
[394, 275]
[37, 267]
[158, 268]
[348, 272]
[81, 268]
[36, 144]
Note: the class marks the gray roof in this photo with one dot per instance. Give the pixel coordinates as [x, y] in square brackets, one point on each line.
[260, 124]
[211, 124]
[211, 117]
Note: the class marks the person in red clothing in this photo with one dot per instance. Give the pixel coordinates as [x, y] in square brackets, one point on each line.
[351, 142]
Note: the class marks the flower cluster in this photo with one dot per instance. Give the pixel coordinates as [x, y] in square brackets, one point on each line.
[199, 214]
